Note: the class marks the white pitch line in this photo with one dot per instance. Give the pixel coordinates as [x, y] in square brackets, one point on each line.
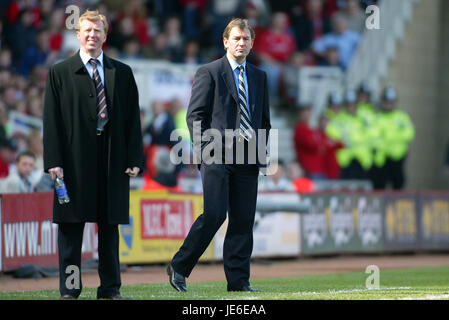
[350, 291]
[428, 297]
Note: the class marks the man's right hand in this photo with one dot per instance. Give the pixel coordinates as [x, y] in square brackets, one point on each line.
[56, 172]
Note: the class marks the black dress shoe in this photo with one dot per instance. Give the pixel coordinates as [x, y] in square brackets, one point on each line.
[115, 297]
[67, 297]
[244, 289]
[177, 281]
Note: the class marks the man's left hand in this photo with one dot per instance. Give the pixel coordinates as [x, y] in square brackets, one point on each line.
[132, 172]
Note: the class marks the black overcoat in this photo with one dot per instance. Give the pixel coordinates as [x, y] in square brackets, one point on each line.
[70, 141]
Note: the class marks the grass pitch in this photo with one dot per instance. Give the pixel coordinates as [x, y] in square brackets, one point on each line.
[416, 284]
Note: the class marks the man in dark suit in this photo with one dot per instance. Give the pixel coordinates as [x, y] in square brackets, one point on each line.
[92, 139]
[228, 93]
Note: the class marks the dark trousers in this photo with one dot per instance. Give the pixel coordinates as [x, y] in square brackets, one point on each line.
[70, 237]
[228, 189]
[353, 172]
[392, 171]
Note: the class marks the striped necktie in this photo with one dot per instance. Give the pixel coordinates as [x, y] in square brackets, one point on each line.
[102, 112]
[245, 130]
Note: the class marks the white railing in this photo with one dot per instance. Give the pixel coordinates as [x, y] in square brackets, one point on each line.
[378, 46]
[315, 84]
[369, 63]
[161, 80]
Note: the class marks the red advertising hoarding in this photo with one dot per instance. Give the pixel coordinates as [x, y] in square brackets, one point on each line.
[166, 219]
[27, 234]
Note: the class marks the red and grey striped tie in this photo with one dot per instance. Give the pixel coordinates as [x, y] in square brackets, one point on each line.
[245, 130]
[102, 111]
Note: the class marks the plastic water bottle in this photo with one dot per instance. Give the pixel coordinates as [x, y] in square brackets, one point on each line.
[61, 191]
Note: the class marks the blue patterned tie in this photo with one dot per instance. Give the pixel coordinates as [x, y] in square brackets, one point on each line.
[245, 130]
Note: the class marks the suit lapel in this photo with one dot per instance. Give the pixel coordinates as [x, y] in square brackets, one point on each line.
[228, 78]
[252, 87]
[109, 76]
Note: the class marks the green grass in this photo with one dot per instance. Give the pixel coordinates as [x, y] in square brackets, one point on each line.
[417, 283]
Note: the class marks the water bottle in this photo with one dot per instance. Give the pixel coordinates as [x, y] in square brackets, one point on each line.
[61, 191]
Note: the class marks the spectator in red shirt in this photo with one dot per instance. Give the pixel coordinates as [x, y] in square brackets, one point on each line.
[15, 7]
[275, 44]
[56, 25]
[310, 148]
[273, 48]
[330, 164]
[136, 11]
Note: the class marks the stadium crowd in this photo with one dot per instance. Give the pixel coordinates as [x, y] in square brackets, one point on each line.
[289, 35]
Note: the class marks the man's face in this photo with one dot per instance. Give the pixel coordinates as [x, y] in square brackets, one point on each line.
[91, 36]
[315, 6]
[25, 166]
[332, 56]
[239, 44]
[305, 115]
[340, 25]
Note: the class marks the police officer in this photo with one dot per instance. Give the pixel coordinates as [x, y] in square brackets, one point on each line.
[364, 97]
[334, 103]
[355, 159]
[365, 107]
[396, 133]
[367, 112]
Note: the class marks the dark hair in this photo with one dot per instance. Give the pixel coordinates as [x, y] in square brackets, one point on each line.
[25, 154]
[10, 144]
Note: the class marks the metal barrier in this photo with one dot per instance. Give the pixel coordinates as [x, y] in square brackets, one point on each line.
[338, 185]
[270, 207]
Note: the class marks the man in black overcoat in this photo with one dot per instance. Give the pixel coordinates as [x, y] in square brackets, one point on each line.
[93, 140]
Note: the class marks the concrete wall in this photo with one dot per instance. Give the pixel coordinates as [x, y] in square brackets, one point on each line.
[442, 121]
[420, 73]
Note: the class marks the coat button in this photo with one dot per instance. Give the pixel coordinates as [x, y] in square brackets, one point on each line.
[90, 94]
